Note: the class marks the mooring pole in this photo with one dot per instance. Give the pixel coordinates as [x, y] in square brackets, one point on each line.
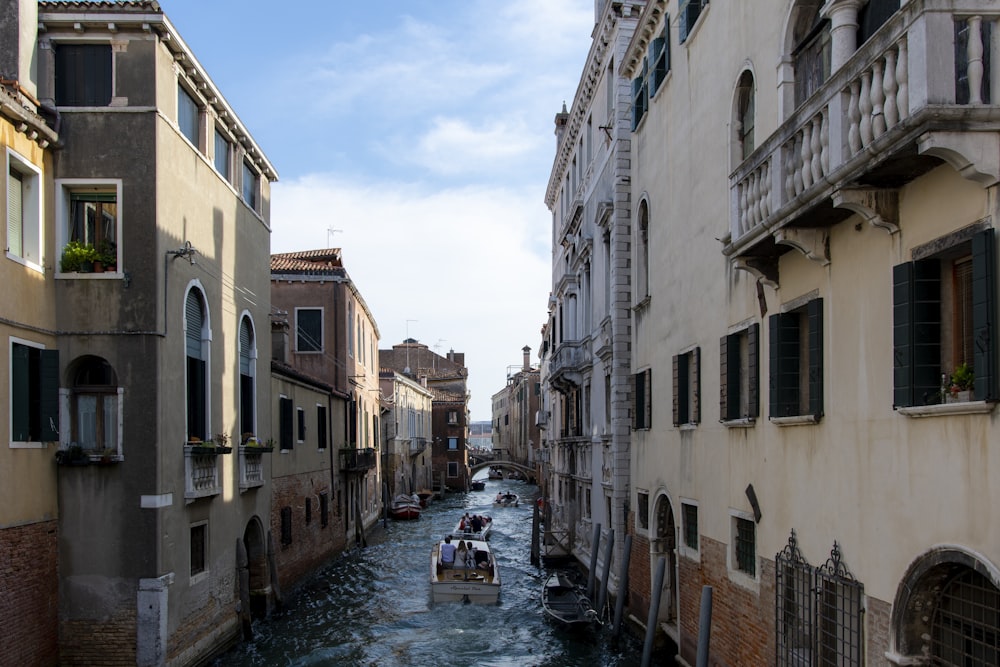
[595, 544]
[534, 535]
[654, 610]
[622, 586]
[704, 626]
[607, 571]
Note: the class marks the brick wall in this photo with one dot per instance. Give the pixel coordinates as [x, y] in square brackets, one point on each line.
[639, 577]
[878, 626]
[106, 643]
[29, 605]
[313, 545]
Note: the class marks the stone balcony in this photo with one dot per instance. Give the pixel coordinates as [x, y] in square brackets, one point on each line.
[568, 362]
[917, 94]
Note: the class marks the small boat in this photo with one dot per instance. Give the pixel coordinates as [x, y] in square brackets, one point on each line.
[478, 485]
[405, 507]
[473, 577]
[564, 602]
[424, 495]
[465, 532]
[494, 473]
[507, 499]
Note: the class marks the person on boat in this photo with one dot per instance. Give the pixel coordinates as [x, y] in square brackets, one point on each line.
[448, 553]
[470, 557]
[477, 523]
[460, 555]
[499, 498]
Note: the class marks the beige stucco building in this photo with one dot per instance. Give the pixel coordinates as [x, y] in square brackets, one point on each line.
[407, 425]
[813, 197]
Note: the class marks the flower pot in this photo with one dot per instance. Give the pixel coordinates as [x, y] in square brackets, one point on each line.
[959, 396]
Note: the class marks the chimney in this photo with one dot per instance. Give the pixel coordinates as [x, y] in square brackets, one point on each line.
[279, 338]
[562, 119]
[18, 34]
[527, 358]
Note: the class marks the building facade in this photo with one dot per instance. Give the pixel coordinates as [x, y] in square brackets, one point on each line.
[160, 203]
[813, 193]
[515, 416]
[29, 354]
[407, 427]
[334, 337]
[586, 351]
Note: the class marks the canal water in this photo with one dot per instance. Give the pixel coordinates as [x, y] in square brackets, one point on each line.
[372, 606]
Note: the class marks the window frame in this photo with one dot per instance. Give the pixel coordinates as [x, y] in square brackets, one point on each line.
[796, 363]
[642, 404]
[82, 100]
[247, 386]
[687, 388]
[250, 186]
[688, 14]
[112, 394]
[285, 426]
[659, 56]
[300, 426]
[299, 333]
[452, 469]
[737, 553]
[183, 123]
[40, 395]
[739, 369]
[203, 573]
[222, 137]
[322, 437]
[686, 507]
[198, 400]
[30, 226]
[65, 188]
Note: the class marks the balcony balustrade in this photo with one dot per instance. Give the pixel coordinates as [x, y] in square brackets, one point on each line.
[417, 446]
[357, 460]
[567, 364]
[201, 471]
[909, 98]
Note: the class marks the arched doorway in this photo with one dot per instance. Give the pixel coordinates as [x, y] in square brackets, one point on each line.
[255, 542]
[665, 544]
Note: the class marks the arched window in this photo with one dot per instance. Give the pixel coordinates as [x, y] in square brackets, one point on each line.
[196, 353]
[642, 253]
[744, 121]
[94, 406]
[810, 49]
[248, 372]
[965, 627]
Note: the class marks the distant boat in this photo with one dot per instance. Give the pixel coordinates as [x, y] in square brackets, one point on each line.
[424, 495]
[565, 603]
[494, 473]
[468, 532]
[405, 507]
[479, 582]
[506, 500]
[478, 485]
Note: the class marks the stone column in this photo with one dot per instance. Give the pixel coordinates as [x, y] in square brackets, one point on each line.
[843, 15]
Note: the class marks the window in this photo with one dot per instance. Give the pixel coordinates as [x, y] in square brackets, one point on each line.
[811, 53]
[88, 216]
[687, 387]
[965, 628]
[309, 510]
[34, 393]
[324, 509]
[642, 411]
[300, 420]
[796, 364]
[453, 443]
[286, 526]
[248, 389]
[452, 416]
[83, 75]
[640, 96]
[251, 186]
[321, 437]
[739, 370]
[199, 546]
[872, 16]
[24, 196]
[308, 329]
[745, 546]
[285, 422]
[223, 155]
[744, 124]
[95, 406]
[642, 253]
[642, 505]
[196, 352]
[944, 304]
[452, 468]
[659, 55]
[690, 518]
[188, 116]
[690, 10]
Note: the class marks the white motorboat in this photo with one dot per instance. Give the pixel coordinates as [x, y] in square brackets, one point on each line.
[474, 575]
[506, 499]
[465, 529]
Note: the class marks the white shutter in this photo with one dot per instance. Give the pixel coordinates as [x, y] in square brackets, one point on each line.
[14, 208]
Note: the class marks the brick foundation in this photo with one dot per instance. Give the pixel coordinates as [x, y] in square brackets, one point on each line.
[104, 643]
[313, 545]
[29, 606]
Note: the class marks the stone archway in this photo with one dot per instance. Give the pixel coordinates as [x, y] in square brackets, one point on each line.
[664, 544]
[255, 542]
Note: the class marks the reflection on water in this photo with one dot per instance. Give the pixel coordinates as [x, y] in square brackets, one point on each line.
[373, 606]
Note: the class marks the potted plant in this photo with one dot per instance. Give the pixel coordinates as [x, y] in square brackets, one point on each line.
[78, 257]
[108, 253]
[74, 455]
[961, 384]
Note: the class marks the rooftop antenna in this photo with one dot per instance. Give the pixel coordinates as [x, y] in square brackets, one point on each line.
[407, 341]
[436, 346]
[330, 231]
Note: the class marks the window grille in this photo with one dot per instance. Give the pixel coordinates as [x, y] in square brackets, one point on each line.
[746, 547]
[965, 628]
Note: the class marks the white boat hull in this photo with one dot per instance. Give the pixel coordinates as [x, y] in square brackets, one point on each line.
[479, 584]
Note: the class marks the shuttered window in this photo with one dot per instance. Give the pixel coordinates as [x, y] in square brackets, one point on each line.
[642, 416]
[308, 329]
[188, 115]
[321, 430]
[285, 426]
[14, 213]
[659, 55]
[83, 75]
[34, 396]
[927, 343]
[687, 387]
[640, 96]
[739, 394]
[197, 376]
[248, 398]
[796, 361]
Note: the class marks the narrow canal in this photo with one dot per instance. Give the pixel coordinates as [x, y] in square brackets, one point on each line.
[372, 606]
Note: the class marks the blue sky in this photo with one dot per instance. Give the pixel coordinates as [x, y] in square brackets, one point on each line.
[422, 132]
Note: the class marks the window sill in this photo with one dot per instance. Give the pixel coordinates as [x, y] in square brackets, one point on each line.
[90, 275]
[797, 420]
[743, 422]
[689, 426]
[945, 409]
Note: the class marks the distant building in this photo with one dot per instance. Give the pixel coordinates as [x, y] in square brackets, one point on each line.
[516, 435]
[446, 377]
[407, 423]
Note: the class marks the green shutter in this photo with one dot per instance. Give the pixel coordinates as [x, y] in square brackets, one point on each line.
[49, 402]
[814, 311]
[753, 372]
[285, 429]
[194, 324]
[902, 335]
[984, 315]
[196, 398]
[926, 331]
[727, 390]
[676, 385]
[695, 402]
[20, 415]
[784, 364]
